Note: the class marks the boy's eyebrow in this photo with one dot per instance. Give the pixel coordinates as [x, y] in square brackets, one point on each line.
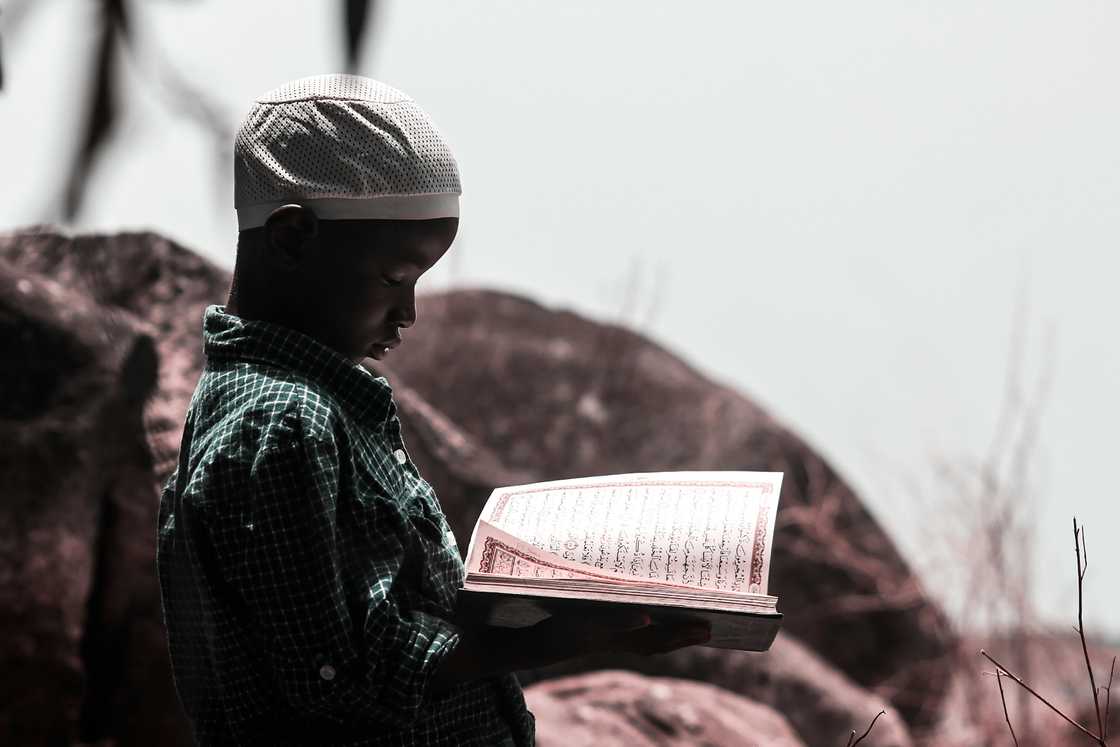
[412, 257]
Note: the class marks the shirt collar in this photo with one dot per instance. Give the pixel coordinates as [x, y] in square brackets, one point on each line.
[229, 337]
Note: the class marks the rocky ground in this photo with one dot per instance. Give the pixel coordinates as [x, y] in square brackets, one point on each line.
[101, 344]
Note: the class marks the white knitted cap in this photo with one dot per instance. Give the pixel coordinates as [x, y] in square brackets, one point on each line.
[345, 146]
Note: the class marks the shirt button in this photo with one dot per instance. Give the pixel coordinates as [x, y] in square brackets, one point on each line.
[326, 672]
[399, 454]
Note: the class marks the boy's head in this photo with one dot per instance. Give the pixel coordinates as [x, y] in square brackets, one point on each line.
[346, 193]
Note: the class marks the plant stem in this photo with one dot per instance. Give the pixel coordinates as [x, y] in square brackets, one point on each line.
[1048, 704]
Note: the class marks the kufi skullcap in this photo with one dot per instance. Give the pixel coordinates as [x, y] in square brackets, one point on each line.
[346, 147]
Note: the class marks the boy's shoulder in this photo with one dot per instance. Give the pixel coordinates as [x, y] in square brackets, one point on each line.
[254, 405]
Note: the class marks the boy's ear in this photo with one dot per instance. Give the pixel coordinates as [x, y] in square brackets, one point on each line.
[290, 233]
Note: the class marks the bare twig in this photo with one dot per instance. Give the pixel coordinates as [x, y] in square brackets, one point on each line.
[102, 115]
[861, 736]
[1108, 697]
[1006, 715]
[1045, 702]
[1082, 551]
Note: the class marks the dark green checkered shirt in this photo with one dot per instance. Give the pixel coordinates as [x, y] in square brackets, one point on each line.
[306, 569]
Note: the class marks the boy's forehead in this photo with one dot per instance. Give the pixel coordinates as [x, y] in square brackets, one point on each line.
[416, 244]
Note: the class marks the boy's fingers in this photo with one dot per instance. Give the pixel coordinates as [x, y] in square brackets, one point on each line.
[657, 639]
[620, 630]
[624, 619]
[610, 620]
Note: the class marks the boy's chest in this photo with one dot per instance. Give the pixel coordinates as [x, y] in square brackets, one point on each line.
[383, 470]
[390, 495]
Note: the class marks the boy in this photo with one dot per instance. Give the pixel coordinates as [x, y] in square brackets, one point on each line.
[307, 572]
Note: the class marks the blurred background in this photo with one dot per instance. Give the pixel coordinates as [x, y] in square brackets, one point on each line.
[891, 226]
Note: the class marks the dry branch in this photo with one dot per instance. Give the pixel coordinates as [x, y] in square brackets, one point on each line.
[869, 728]
[1082, 554]
[1108, 697]
[1082, 551]
[1006, 715]
[1036, 694]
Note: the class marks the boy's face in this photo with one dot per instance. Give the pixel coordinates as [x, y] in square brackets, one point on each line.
[362, 279]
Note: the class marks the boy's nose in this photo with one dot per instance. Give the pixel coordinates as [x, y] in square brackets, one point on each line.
[407, 315]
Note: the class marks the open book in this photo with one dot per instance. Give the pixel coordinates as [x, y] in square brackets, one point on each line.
[677, 545]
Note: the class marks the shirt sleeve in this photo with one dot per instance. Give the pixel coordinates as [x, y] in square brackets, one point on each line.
[281, 549]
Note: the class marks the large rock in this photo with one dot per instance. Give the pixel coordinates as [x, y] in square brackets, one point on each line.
[564, 396]
[623, 709]
[145, 281]
[153, 279]
[821, 704]
[77, 483]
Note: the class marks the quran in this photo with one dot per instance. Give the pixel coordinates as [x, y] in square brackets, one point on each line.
[679, 546]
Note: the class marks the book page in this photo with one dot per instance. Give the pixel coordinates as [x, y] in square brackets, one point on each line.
[710, 529]
[496, 552]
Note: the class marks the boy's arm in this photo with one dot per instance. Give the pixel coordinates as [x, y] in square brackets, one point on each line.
[274, 531]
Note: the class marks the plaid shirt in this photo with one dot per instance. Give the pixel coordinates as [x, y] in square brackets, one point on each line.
[306, 569]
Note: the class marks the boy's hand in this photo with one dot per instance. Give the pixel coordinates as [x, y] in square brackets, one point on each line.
[662, 638]
[484, 651]
[566, 636]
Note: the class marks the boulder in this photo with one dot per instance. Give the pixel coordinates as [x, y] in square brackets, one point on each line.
[821, 704]
[149, 282]
[77, 483]
[623, 709]
[153, 279]
[564, 396]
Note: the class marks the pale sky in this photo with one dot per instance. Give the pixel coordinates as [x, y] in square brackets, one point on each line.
[833, 207]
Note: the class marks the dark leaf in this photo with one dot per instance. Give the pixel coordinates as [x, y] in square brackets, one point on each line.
[357, 17]
[103, 103]
[116, 14]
